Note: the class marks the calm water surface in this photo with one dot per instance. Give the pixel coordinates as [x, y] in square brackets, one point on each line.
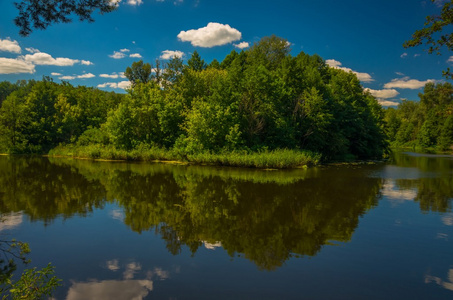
[156, 231]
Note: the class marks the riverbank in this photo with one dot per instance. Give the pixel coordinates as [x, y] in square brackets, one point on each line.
[275, 159]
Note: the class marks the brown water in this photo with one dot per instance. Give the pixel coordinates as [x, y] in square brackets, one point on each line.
[145, 231]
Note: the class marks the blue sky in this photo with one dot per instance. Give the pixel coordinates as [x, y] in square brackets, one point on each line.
[363, 36]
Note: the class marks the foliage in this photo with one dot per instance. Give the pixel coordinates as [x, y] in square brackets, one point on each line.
[138, 72]
[33, 284]
[435, 33]
[258, 100]
[38, 14]
[424, 124]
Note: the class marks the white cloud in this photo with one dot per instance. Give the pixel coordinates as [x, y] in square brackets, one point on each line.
[85, 76]
[117, 55]
[399, 73]
[125, 50]
[136, 55]
[450, 59]
[71, 77]
[406, 83]
[32, 50]
[41, 58]
[242, 45]
[116, 85]
[113, 75]
[403, 55]
[15, 66]
[364, 77]
[55, 74]
[10, 221]
[383, 94]
[387, 102]
[8, 45]
[135, 2]
[67, 77]
[214, 34]
[167, 54]
[416, 55]
[86, 62]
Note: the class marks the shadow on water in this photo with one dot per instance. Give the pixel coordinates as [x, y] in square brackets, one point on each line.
[265, 216]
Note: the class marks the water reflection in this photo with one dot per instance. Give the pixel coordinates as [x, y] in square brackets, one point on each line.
[446, 284]
[433, 184]
[266, 217]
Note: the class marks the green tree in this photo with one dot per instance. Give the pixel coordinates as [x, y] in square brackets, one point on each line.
[38, 14]
[139, 72]
[196, 63]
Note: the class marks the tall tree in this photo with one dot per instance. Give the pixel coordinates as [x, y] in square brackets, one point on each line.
[39, 14]
[196, 63]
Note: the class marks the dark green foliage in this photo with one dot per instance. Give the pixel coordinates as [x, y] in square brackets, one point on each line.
[262, 99]
[425, 124]
[139, 72]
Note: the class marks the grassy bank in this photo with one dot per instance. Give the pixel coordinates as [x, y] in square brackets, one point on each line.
[279, 159]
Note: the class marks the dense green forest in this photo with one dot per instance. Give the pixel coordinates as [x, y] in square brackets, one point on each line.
[258, 100]
[427, 123]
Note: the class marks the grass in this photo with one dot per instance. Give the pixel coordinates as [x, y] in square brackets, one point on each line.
[275, 159]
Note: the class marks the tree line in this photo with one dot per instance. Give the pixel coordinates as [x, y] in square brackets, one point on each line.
[259, 99]
[427, 123]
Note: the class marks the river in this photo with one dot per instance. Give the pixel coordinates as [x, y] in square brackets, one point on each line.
[116, 230]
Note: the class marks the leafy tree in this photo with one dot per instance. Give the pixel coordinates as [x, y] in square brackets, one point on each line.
[38, 14]
[196, 63]
[435, 34]
[139, 72]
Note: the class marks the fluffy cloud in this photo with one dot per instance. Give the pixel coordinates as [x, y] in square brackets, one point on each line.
[383, 94]
[15, 66]
[387, 102]
[242, 45]
[117, 55]
[135, 55]
[41, 58]
[167, 54]
[134, 2]
[406, 83]
[32, 50]
[71, 77]
[86, 62]
[116, 85]
[450, 59]
[113, 75]
[55, 74]
[364, 77]
[9, 46]
[214, 34]
[403, 55]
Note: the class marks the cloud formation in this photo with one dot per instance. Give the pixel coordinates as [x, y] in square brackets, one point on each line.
[406, 83]
[71, 77]
[15, 66]
[364, 77]
[135, 55]
[117, 55]
[116, 85]
[242, 45]
[167, 54]
[383, 94]
[214, 34]
[8, 45]
[41, 58]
